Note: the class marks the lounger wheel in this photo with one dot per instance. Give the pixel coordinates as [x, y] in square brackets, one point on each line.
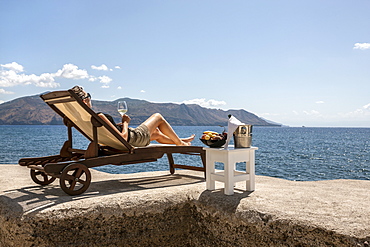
[75, 179]
[41, 178]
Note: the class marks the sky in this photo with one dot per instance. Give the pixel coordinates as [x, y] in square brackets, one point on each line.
[298, 63]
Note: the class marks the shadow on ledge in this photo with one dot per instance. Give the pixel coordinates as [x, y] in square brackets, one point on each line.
[35, 198]
[223, 202]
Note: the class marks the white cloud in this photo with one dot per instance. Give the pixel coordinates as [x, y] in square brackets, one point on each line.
[2, 91]
[267, 114]
[312, 113]
[363, 111]
[101, 67]
[11, 75]
[320, 102]
[202, 102]
[10, 78]
[71, 71]
[142, 91]
[105, 80]
[13, 66]
[119, 87]
[117, 67]
[362, 46]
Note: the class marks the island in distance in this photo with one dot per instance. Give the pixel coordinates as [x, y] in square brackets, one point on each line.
[31, 110]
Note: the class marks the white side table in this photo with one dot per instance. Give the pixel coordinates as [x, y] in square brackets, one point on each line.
[229, 176]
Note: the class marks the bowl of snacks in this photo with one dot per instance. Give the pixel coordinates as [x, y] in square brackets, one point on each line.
[213, 139]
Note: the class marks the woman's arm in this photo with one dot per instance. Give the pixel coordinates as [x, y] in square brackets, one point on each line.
[125, 122]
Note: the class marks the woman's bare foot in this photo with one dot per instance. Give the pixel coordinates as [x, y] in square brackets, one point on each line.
[188, 139]
[185, 143]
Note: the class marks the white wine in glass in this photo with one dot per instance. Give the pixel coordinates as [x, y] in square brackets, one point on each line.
[122, 107]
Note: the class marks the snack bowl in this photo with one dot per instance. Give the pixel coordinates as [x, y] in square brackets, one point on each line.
[214, 143]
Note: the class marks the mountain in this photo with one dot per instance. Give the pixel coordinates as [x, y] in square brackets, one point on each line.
[31, 110]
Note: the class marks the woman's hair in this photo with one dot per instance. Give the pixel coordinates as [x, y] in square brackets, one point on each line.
[79, 91]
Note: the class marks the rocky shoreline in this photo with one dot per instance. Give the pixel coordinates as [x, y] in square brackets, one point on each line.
[158, 209]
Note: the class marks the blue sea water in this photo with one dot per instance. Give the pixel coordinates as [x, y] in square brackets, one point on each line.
[302, 154]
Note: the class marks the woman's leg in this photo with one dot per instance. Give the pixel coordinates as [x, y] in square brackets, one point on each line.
[158, 136]
[164, 133]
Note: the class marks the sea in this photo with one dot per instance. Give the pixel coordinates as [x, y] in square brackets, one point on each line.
[292, 153]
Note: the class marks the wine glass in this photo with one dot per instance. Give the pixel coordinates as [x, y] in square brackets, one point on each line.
[122, 107]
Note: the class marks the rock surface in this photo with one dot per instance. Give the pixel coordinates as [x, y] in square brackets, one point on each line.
[158, 209]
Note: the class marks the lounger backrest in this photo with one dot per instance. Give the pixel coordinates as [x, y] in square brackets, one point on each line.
[68, 104]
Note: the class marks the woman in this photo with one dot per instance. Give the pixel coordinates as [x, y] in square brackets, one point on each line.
[155, 128]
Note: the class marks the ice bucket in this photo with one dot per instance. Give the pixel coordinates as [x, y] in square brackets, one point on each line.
[243, 136]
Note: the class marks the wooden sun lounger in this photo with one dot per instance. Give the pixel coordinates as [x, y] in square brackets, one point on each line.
[106, 146]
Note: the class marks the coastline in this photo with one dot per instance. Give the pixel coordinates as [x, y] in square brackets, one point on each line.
[155, 208]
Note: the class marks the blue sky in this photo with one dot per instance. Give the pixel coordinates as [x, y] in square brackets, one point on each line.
[293, 62]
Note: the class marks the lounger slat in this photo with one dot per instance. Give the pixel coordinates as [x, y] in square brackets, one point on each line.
[55, 95]
[57, 101]
[136, 162]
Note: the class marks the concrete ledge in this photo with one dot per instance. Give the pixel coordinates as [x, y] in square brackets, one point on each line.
[158, 209]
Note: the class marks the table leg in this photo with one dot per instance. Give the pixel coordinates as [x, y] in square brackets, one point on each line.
[229, 175]
[250, 169]
[210, 169]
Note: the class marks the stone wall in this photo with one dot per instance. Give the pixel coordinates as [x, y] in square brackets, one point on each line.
[158, 209]
[186, 224]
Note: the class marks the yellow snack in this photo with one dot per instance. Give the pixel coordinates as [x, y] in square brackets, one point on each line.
[209, 132]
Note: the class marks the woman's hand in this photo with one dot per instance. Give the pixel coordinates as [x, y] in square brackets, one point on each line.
[126, 118]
